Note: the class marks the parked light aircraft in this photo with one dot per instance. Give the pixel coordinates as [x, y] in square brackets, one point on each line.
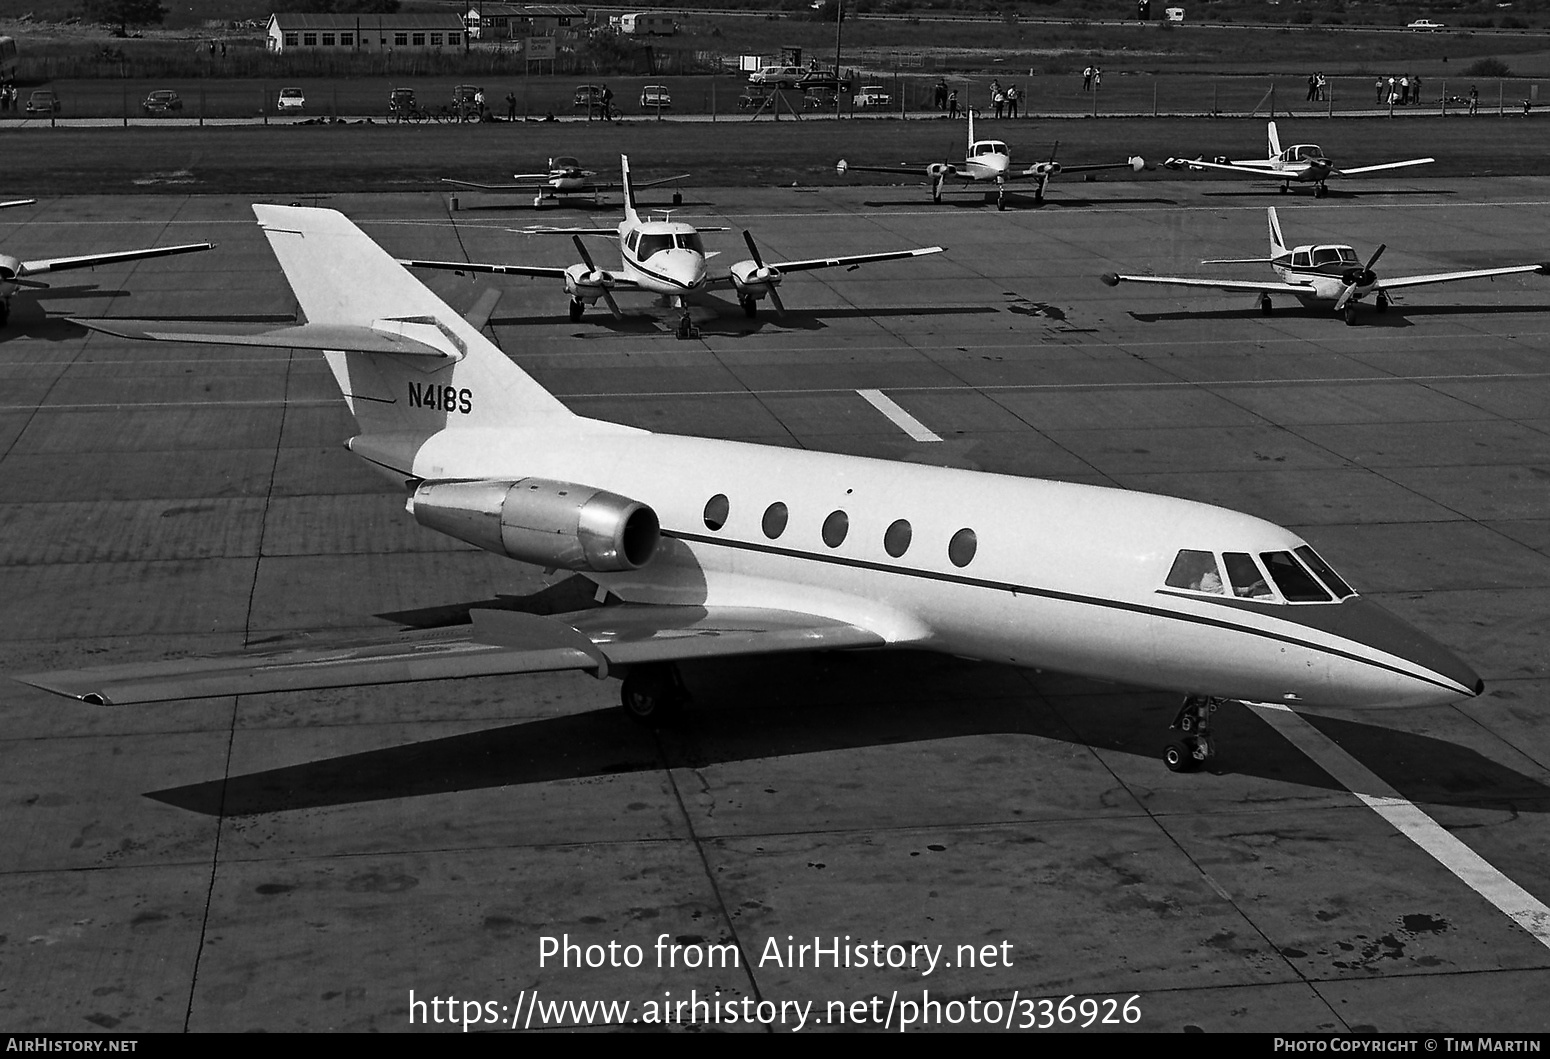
[1302, 163]
[987, 160]
[1322, 274]
[14, 271]
[565, 176]
[702, 547]
[666, 258]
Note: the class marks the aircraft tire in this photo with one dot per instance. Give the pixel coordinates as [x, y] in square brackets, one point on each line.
[1350, 315]
[1265, 308]
[750, 307]
[5, 312]
[1381, 303]
[1284, 189]
[1179, 759]
[652, 694]
[577, 307]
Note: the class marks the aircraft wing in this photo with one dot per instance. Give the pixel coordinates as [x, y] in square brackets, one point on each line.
[638, 184]
[59, 264]
[902, 169]
[1230, 167]
[535, 186]
[343, 337]
[1134, 162]
[17, 202]
[1448, 277]
[543, 271]
[1359, 170]
[857, 259]
[499, 642]
[1270, 287]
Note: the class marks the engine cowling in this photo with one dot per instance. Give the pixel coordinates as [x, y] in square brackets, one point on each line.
[1045, 169]
[10, 267]
[548, 523]
[938, 170]
[586, 283]
[754, 280]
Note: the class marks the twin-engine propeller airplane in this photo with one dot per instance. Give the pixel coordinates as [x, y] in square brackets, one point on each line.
[666, 258]
[700, 547]
[987, 160]
[565, 176]
[14, 271]
[1301, 163]
[1327, 274]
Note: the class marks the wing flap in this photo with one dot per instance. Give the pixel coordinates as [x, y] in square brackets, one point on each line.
[498, 643]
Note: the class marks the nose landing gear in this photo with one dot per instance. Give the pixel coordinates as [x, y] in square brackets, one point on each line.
[653, 693]
[1194, 747]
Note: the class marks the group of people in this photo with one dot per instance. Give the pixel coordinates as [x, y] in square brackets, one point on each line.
[1318, 87]
[1400, 92]
[1005, 101]
[1091, 77]
[945, 98]
[7, 96]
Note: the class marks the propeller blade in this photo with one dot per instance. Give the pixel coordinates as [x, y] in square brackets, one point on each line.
[753, 248]
[586, 258]
[780, 306]
[1345, 296]
[613, 306]
[1373, 260]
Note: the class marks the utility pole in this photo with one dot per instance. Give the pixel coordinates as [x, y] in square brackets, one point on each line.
[839, 31]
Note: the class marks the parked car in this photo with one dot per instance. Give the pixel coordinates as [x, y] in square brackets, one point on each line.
[161, 101]
[589, 98]
[872, 96]
[44, 101]
[782, 76]
[820, 98]
[654, 97]
[292, 99]
[467, 101]
[401, 103]
[822, 81]
[1424, 25]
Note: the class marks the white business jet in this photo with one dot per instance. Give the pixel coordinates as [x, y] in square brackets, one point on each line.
[667, 258]
[1301, 163]
[565, 176]
[14, 271]
[987, 161]
[1322, 274]
[700, 547]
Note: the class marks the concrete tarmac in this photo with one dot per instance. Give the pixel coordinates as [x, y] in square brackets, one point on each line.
[339, 860]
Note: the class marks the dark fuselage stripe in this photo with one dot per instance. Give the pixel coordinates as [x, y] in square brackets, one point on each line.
[1045, 593]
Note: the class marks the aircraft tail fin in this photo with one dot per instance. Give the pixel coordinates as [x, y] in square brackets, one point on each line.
[970, 112]
[1277, 241]
[1275, 142]
[630, 213]
[346, 284]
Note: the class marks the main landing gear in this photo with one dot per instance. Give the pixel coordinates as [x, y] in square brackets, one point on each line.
[1381, 302]
[1265, 308]
[750, 305]
[577, 307]
[1349, 313]
[1194, 747]
[686, 328]
[653, 693]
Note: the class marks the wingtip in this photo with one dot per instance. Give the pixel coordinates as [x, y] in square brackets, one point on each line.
[1110, 279]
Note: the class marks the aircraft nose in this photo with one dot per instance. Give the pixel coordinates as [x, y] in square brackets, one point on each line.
[685, 268]
[1447, 677]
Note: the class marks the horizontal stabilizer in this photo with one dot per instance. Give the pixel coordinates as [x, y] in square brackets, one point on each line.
[342, 337]
[500, 642]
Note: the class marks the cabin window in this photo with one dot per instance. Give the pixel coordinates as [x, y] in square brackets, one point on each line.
[835, 527]
[1331, 579]
[632, 240]
[775, 520]
[1294, 582]
[1300, 259]
[962, 547]
[1195, 571]
[716, 510]
[652, 244]
[689, 241]
[1245, 576]
[896, 541]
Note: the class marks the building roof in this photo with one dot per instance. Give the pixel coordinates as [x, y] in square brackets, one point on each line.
[528, 11]
[291, 21]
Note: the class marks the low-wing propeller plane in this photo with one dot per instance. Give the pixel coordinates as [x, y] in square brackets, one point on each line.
[703, 547]
[1322, 274]
[14, 272]
[987, 161]
[1301, 163]
[565, 176]
[667, 258]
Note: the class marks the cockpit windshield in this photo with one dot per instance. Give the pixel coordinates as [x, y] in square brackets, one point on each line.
[1306, 152]
[653, 244]
[1299, 576]
[564, 161]
[1334, 255]
[689, 241]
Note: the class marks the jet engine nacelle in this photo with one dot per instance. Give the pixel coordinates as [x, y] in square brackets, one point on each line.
[754, 281]
[10, 267]
[587, 284]
[551, 524]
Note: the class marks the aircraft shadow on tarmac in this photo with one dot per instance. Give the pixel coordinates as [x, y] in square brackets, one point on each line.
[1397, 315]
[579, 204]
[729, 321]
[746, 709]
[1348, 195]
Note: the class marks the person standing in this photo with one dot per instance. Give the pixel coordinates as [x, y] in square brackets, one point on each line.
[1323, 87]
[1313, 88]
[608, 103]
[1404, 90]
[511, 106]
[1087, 78]
[1474, 99]
[1415, 91]
[952, 103]
[1012, 98]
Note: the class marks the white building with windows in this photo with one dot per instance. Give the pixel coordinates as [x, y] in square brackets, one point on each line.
[299, 32]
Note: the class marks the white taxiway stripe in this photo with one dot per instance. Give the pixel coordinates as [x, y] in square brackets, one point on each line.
[1522, 907]
[901, 419]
